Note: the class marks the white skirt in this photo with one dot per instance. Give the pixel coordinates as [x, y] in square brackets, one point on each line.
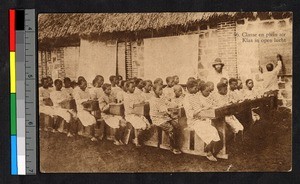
[48, 110]
[138, 122]
[111, 120]
[205, 130]
[86, 118]
[63, 113]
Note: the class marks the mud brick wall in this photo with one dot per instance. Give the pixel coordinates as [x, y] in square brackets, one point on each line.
[227, 47]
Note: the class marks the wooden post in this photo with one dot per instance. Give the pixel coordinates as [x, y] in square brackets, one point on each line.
[117, 59]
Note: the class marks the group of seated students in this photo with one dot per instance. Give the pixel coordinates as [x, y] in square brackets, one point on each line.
[194, 97]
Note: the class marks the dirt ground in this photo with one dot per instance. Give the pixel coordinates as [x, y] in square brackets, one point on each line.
[266, 146]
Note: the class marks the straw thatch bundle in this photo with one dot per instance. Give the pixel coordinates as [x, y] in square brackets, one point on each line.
[72, 26]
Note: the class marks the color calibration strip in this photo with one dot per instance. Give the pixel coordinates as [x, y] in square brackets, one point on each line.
[13, 107]
[22, 91]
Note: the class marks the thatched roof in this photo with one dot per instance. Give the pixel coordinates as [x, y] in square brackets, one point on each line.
[75, 25]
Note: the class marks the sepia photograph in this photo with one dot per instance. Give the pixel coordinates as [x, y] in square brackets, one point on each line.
[165, 92]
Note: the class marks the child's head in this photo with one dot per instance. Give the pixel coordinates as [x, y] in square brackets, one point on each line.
[239, 84]
[58, 84]
[80, 78]
[157, 88]
[222, 88]
[176, 79]
[177, 90]
[192, 86]
[73, 84]
[147, 86]
[200, 83]
[249, 84]
[224, 80]
[130, 86]
[206, 89]
[82, 84]
[50, 81]
[67, 82]
[106, 88]
[100, 80]
[158, 81]
[269, 67]
[233, 84]
[139, 83]
[170, 81]
[113, 80]
[210, 85]
[191, 78]
[44, 82]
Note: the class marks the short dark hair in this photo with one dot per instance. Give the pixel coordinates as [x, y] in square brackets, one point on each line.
[147, 82]
[221, 85]
[67, 79]
[269, 67]
[57, 81]
[112, 77]
[137, 81]
[169, 78]
[156, 80]
[43, 80]
[231, 80]
[190, 84]
[129, 82]
[248, 80]
[105, 86]
[80, 81]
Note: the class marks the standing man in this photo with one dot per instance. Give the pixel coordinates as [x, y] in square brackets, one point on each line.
[270, 77]
[218, 73]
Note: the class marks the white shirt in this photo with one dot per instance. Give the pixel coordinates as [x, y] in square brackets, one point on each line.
[270, 78]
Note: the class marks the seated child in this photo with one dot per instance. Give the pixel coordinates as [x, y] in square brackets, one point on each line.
[160, 117]
[224, 80]
[234, 94]
[139, 83]
[73, 84]
[158, 81]
[58, 97]
[50, 83]
[120, 94]
[45, 103]
[81, 96]
[249, 92]
[202, 126]
[114, 80]
[168, 91]
[176, 79]
[113, 121]
[67, 87]
[239, 84]
[139, 122]
[96, 91]
[178, 98]
[222, 99]
[147, 94]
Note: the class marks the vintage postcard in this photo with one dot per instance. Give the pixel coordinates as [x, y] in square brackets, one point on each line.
[165, 92]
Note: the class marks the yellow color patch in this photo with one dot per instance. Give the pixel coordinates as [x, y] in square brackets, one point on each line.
[12, 72]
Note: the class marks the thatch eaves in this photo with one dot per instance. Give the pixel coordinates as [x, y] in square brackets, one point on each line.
[72, 26]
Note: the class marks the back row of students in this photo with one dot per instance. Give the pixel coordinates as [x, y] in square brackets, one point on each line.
[198, 96]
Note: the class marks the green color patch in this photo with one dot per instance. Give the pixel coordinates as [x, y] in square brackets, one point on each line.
[13, 114]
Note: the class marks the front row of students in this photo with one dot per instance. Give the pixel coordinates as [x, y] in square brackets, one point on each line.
[199, 96]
